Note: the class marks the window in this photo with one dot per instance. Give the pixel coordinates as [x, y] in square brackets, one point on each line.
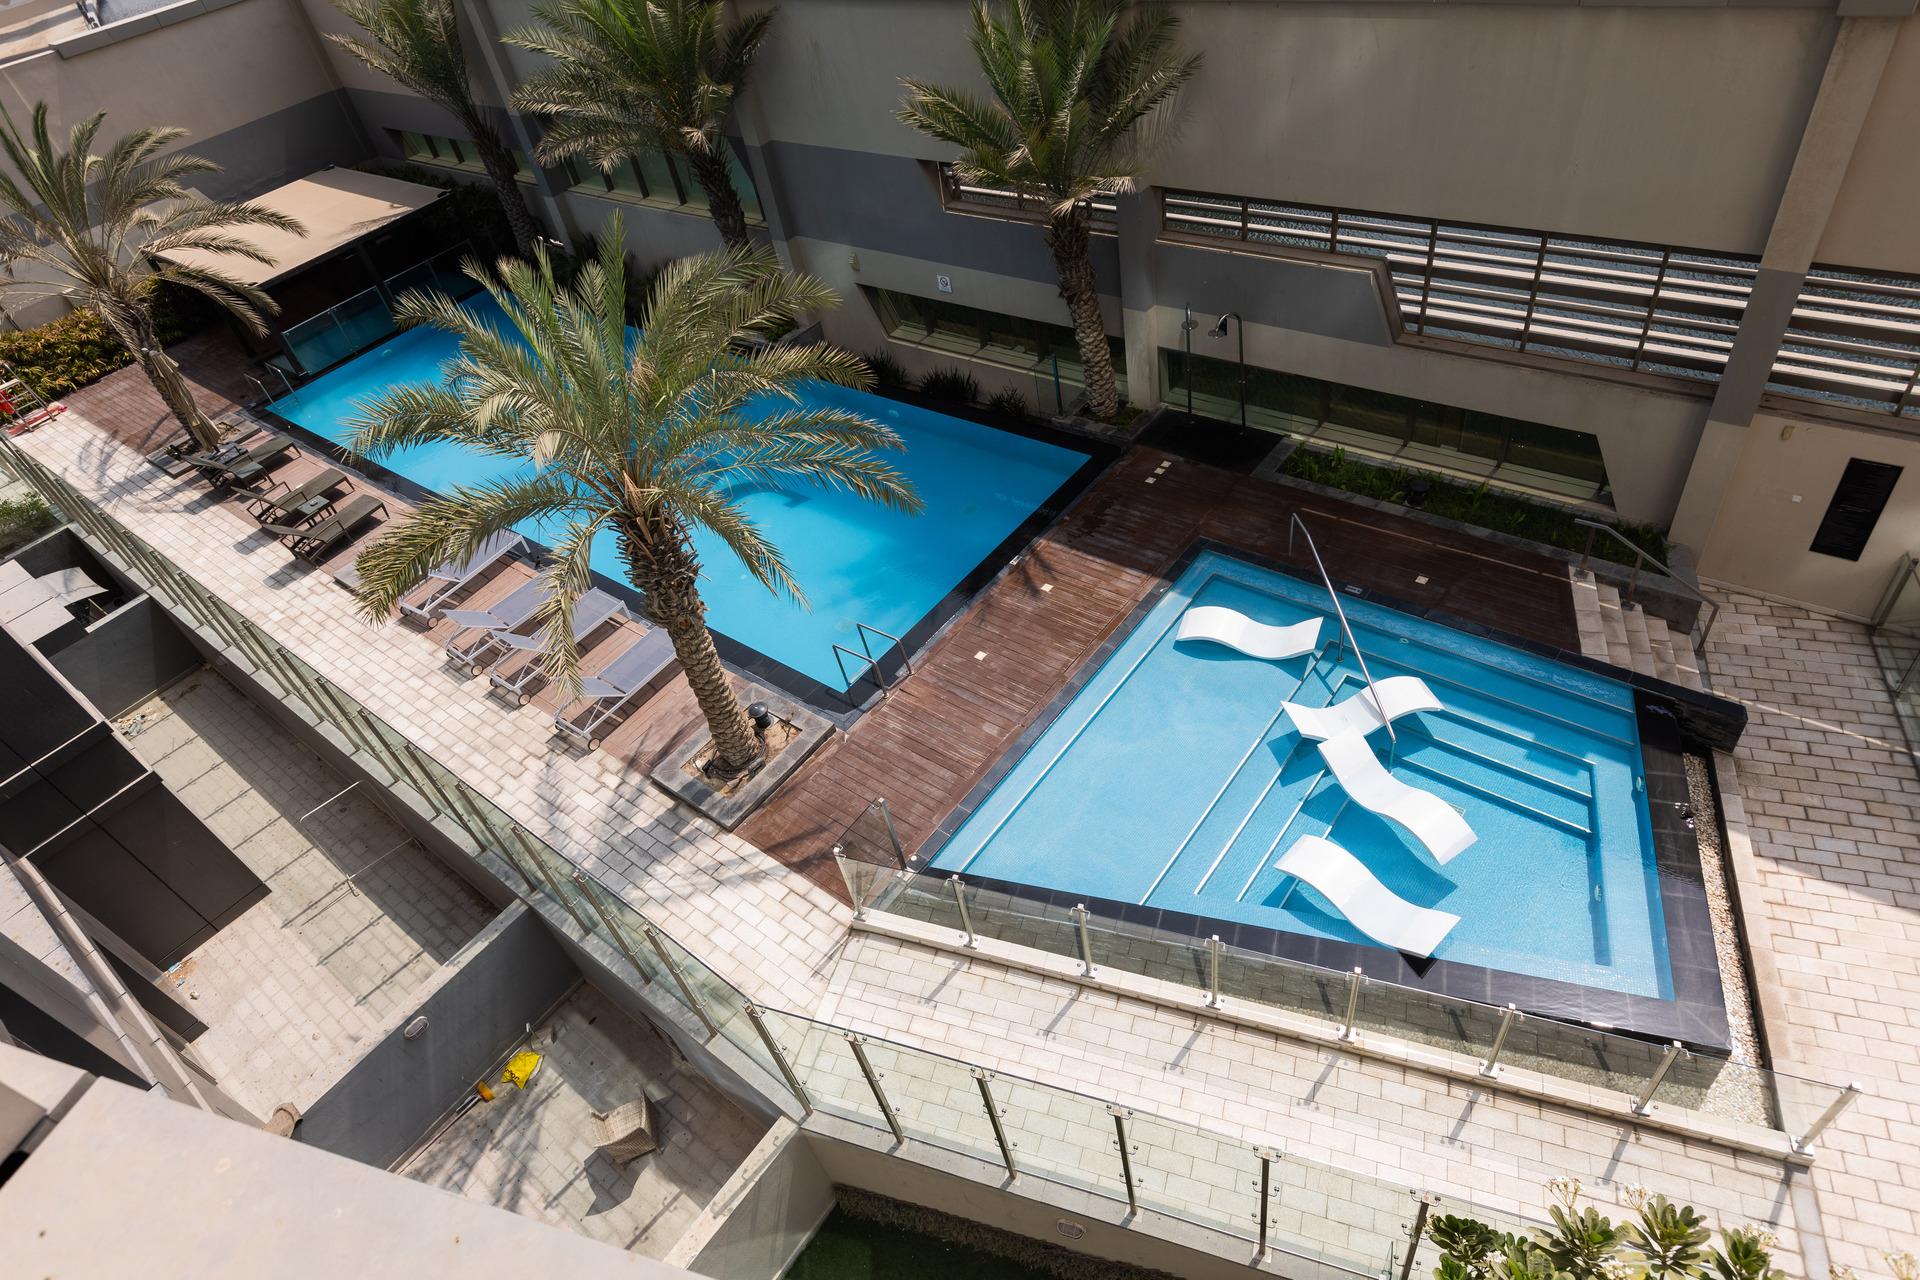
[1641, 308]
[661, 179]
[1419, 433]
[1014, 206]
[1858, 500]
[1012, 342]
[452, 153]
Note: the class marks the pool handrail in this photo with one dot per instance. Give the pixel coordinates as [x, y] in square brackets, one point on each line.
[1295, 522]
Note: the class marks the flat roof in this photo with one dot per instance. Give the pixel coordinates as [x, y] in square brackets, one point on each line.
[337, 207]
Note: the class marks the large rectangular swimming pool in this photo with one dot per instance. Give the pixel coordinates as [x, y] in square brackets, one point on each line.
[1173, 781]
[857, 562]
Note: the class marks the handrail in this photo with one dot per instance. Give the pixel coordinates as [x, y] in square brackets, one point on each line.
[872, 668]
[1295, 522]
[1642, 557]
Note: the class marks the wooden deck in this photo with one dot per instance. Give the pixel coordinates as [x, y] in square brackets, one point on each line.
[1000, 665]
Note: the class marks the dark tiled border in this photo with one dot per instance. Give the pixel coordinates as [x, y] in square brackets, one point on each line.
[1695, 1016]
[841, 708]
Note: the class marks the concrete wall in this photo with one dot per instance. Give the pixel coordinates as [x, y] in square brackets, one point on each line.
[1873, 224]
[1776, 498]
[768, 1226]
[506, 977]
[120, 661]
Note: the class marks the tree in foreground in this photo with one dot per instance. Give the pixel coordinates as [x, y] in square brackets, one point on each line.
[417, 42]
[630, 77]
[95, 228]
[1076, 87]
[650, 438]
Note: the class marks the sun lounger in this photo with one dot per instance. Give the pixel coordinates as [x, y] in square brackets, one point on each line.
[246, 464]
[1399, 696]
[1237, 631]
[476, 643]
[609, 696]
[283, 506]
[457, 576]
[1368, 905]
[315, 541]
[1431, 820]
[591, 612]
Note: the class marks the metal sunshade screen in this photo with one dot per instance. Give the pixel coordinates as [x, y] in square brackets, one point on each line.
[1855, 340]
[1633, 306]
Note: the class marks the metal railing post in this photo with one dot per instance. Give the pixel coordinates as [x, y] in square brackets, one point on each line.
[1804, 1143]
[1491, 1067]
[966, 918]
[886, 815]
[1349, 1033]
[981, 1077]
[1213, 972]
[1086, 941]
[858, 1043]
[680, 979]
[779, 1057]
[1674, 1051]
[1267, 1156]
[1120, 1116]
[619, 940]
[1427, 1201]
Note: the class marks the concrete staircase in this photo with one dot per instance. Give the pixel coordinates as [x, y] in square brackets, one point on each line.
[1622, 634]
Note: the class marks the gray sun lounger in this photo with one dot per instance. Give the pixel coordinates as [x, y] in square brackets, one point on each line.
[249, 464]
[457, 576]
[477, 642]
[609, 696]
[263, 502]
[313, 542]
[591, 611]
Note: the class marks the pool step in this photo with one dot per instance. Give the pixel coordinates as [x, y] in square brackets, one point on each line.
[1623, 635]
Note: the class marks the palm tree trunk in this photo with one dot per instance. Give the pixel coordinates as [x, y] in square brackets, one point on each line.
[1068, 238]
[710, 170]
[499, 164]
[164, 374]
[660, 561]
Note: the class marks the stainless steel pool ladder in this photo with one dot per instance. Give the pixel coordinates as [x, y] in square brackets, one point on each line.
[1295, 522]
[867, 656]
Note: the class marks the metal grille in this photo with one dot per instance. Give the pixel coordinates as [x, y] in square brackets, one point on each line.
[1854, 339]
[1010, 203]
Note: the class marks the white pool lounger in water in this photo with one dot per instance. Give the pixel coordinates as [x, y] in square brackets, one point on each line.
[1399, 696]
[1434, 822]
[1368, 905]
[1237, 631]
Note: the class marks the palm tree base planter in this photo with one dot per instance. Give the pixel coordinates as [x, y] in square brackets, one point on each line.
[793, 734]
[1133, 421]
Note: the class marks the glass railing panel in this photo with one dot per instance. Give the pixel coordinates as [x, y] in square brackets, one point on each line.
[1357, 1222]
[937, 1099]
[1195, 1175]
[1295, 988]
[1458, 1235]
[1042, 926]
[1458, 1026]
[1061, 1136]
[825, 1063]
[1803, 1105]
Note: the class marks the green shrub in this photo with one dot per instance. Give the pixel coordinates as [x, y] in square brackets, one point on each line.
[1008, 402]
[955, 385]
[63, 355]
[1480, 504]
[22, 520]
[887, 371]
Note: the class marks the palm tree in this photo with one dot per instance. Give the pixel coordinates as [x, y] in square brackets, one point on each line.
[417, 42]
[96, 227]
[627, 77]
[651, 438]
[1072, 82]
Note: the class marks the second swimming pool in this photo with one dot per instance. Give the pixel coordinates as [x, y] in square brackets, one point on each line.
[857, 562]
[1173, 781]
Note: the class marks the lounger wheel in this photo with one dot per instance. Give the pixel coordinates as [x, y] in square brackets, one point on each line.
[476, 668]
[593, 744]
[524, 698]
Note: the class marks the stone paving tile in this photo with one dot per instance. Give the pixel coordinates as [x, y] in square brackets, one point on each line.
[296, 988]
[529, 1151]
[1363, 1119]
[1829, 796]
[765, 927]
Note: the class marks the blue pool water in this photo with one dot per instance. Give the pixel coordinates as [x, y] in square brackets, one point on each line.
[1172, 780]
[857, 562]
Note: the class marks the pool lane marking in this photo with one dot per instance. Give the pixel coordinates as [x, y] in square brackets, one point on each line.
[1207, 812]
[1145, 653]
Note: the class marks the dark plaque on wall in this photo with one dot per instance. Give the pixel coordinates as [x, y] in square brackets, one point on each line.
[1857, 503]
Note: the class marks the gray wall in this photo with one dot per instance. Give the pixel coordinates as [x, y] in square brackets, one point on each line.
[508, 976]
[773, 1221]
[122, 660]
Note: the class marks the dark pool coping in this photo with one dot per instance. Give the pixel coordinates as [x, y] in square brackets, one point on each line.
[840, 707]
[1671, 720]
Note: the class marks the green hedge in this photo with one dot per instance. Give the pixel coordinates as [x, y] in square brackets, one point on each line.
[22, 520]
[76, 350]
[1480, 504]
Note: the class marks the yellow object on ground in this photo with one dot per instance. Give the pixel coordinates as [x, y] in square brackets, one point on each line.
[520, 1068]
[485, 1093]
